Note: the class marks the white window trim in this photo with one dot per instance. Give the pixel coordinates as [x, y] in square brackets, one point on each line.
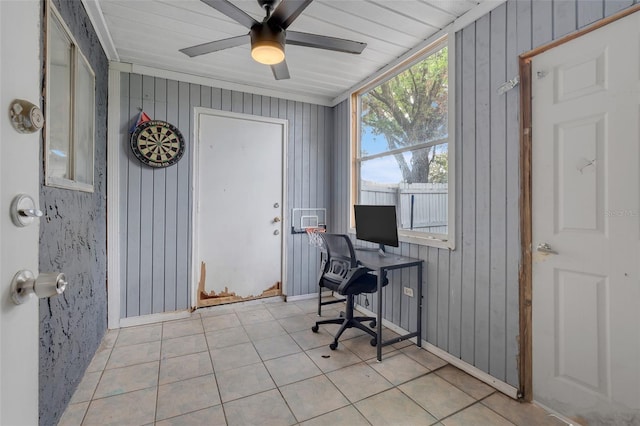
[77, 54]
[408, 236]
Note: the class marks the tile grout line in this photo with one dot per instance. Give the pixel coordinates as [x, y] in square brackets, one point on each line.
[155, 411]
[213, 374]
[269, 372]
[497, 412]
[277, 387]
[213, 368]
[101, 374]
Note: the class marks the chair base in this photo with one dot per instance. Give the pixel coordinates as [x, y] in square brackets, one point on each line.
[349, 321]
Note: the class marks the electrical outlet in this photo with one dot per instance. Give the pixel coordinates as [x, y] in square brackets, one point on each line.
[408, 291]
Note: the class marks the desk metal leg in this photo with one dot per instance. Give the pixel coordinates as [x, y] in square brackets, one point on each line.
[419, 328]
[379, 322]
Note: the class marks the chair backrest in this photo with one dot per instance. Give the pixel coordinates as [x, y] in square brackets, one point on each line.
[339, 256]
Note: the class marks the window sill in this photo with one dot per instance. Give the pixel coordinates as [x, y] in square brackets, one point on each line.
[427, 241]
[68, 184]
[419, 240]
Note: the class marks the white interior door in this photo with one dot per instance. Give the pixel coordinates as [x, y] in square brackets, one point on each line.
[239, 203]
[19, 173]
[586, 161]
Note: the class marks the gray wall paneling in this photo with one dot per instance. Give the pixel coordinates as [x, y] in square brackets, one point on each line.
[512, 188]
[466, 196]
[498, 194]
[155, 203]
[171, 214]
[455, 261]
[471, 294]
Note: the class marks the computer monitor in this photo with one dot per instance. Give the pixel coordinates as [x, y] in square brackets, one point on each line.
[377, 224]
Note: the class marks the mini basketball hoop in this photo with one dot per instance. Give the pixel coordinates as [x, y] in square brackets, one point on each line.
[314, 237]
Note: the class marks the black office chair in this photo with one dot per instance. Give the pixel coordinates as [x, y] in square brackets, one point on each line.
[340, 272]
[321, 285]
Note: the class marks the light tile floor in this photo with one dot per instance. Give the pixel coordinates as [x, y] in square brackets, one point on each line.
[260, 364]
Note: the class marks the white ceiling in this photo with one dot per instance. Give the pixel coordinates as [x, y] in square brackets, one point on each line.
[149, 33]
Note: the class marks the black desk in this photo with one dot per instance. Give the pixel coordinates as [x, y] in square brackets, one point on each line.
[381, 264]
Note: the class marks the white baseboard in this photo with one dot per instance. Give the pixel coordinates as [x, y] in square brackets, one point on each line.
[154, 318]
[301, 297]
[170, 316]
[554, 413]
[311, 296]
[503, 387]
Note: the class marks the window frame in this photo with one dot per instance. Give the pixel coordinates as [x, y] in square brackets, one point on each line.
[78, 64]
[408, 236]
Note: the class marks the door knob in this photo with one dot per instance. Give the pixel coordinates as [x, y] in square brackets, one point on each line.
[24, 285]
[546, 248]
[276, 219]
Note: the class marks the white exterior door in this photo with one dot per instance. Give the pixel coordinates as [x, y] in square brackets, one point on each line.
[19, 173]
[239, 203]
[586, 162]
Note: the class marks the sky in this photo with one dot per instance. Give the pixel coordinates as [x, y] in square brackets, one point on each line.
[384, 169]
[381, 170]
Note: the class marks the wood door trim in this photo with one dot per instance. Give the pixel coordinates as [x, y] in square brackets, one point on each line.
[579, 33]
[525, 359]
[525, 294]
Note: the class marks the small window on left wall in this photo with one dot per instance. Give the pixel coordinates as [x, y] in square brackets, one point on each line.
[70, 110]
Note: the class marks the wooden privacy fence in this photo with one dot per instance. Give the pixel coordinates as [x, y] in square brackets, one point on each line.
[420, 206]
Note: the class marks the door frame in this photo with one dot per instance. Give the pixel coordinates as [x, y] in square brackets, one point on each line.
[525, 361]
[195, 267]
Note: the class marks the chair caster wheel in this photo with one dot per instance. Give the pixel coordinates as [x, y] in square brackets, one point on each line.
[315, 328]
[372, 324]
[333, 346]
[374, 342]
[341, 314]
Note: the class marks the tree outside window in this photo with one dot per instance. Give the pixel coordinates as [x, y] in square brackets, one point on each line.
[403, 156]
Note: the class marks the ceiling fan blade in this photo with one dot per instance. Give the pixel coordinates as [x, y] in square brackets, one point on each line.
[287, 12]
[214, 46]
[280, 71]
[325, 42]
[233, 12]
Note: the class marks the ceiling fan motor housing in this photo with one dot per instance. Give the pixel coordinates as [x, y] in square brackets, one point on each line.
[263, 39]
[271, 4]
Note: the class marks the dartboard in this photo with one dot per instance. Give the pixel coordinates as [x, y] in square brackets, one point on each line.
[157, 143]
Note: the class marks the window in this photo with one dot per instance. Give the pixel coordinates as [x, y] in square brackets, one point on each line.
[70, 100]
[402, 152]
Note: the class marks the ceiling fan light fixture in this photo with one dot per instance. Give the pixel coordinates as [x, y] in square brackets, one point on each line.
[267, 46]
[267, 52]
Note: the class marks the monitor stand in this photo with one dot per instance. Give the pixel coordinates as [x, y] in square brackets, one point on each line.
[380, 249]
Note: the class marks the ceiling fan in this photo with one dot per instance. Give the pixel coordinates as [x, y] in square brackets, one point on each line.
[268, 37]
